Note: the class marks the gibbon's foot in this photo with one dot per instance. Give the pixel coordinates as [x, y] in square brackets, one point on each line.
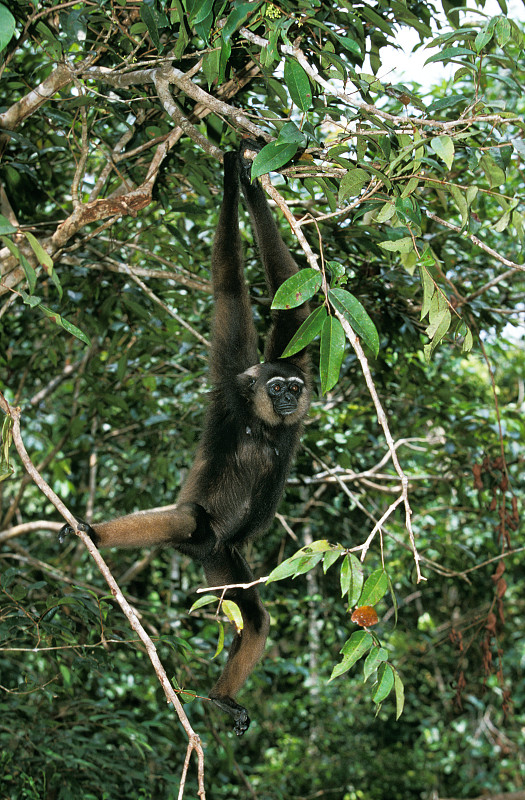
[239, 713]
[66, 531]
[202, 518]
[242, 722]
[246, 163]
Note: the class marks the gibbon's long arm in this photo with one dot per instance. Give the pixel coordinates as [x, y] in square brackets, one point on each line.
[278, 266]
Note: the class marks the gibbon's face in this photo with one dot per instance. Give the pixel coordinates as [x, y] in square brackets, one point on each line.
[284, 393]
[278, 391]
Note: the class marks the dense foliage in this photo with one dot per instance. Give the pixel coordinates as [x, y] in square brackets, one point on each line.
[113, 119]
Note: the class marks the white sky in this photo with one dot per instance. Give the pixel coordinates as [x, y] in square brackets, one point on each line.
[403, 66]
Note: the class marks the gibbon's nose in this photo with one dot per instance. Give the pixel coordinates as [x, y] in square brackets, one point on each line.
[288, 403]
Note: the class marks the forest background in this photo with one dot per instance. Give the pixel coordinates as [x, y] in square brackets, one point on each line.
[408, 488]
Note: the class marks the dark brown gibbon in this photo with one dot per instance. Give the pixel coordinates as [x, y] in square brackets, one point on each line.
[251, 431]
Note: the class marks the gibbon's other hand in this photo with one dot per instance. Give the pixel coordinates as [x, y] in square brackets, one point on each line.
[66, 531]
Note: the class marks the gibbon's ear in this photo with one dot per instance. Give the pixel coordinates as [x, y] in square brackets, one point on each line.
[247, 379]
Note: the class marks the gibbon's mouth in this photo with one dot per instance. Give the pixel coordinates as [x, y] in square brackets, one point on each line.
[287, 408]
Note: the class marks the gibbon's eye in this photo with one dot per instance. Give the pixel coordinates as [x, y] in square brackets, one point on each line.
[295, 388]
[275, 388]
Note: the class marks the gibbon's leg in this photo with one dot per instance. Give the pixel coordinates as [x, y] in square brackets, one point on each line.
[234, 340]
[227, 566]
[186, 523]
[278, 264]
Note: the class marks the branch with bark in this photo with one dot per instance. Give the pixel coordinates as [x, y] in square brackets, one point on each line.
[194, 743]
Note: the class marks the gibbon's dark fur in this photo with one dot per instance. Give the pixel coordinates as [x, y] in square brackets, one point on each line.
[251, 431]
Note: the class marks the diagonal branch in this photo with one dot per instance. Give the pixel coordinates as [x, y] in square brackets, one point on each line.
[351, 99]
[194, 742]
[380, 412]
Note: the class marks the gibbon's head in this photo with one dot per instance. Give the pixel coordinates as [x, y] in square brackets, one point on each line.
[278, 391]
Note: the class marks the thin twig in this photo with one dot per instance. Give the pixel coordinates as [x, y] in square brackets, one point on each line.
[474, 239]
[382, 419]
[166, 308]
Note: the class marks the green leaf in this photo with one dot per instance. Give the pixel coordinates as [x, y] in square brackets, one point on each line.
[354, 312]
[184, 36]
[303, 560]
[443, 146]
[226, 51]
[438, 312]
[7, 28]
[36, 302]
[233, 612]
[330, 558]
[348, 44]
[6, 468]
[358, 644]
[291, 133]
[467, 342]
[461, 202]
[272, 157]
[220, 640]
[495, 173]
[354, 648]
[484, 37]
[285, 570]
[386, 212]
[408, 210]
[439, 322]
[385, 682]
[148, 17]
[43, 257]
[29, 273]
[375, 657]
[503, 31]
[337, 271]
[332, 352]
[448, 54]
[351, 578]
[448, 102]
[403, 245]
[5, 225]
[11, 246]
[210, 66]
[428, 290]
[319, 546]
[352, 183]
[297, 289]
[205, 600]
[503, 222]
[298, 84]
[375, 588]
[307, 331]
[240, 14]
[197, 10]
[306, 563]
[399, 690]
[189, 697]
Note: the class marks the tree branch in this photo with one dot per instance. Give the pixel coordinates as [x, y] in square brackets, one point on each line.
[381, 416]
[351, 100]
[194, 742]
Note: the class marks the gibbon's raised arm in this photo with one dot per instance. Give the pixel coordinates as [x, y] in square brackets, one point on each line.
[251, 431]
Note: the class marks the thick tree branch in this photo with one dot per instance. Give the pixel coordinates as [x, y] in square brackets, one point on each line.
[32, 101]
